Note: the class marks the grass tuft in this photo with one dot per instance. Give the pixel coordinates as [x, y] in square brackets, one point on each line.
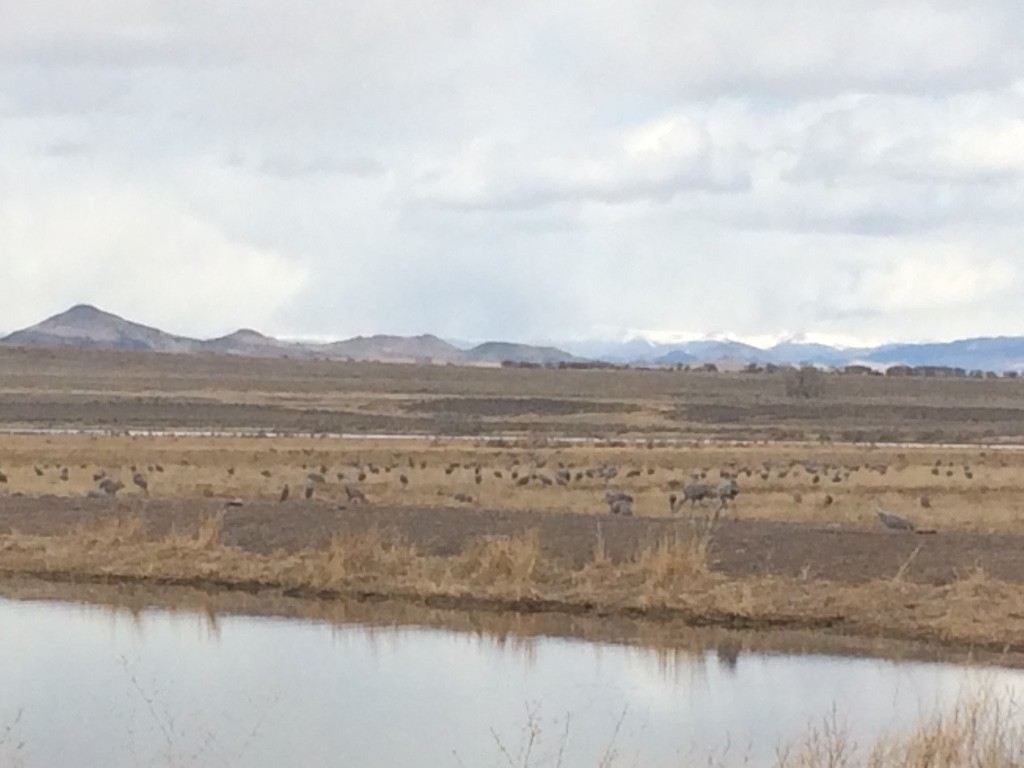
[508, 561]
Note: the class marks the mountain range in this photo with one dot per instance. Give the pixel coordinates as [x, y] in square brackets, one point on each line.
[86, 326]
[998, 353]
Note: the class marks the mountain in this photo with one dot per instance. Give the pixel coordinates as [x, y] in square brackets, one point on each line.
[675, 357]
[796, 353]
[501, 351]
[248, 343]
[988, 354]
[87, 327]
[999, 353]
[395, 348]
[712, 350]
[635, 350]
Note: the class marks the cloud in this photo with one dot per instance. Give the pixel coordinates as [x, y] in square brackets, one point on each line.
[118, 247]
[653, 161]
[486, 170]
[941, 279]
[290, 166]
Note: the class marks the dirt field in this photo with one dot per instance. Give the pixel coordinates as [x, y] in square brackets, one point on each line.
[81, 388]
[738, 549]
[959, 489]
[444, 519]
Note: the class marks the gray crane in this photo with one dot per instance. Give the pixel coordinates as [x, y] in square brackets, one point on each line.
[728, 490]
[354, 493]
[694, 492]
[619, 503]
[110, 486]
[893, 521]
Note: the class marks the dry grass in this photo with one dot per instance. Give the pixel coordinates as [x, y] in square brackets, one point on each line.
[511, 563]
[982, 732]
[981, 491]
[668, 579]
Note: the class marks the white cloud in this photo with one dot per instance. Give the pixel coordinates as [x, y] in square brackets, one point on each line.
[121, 248]
[850, 168]
[937, 279]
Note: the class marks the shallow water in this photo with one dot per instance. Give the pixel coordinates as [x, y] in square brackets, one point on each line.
[90, 686]
[257, 433]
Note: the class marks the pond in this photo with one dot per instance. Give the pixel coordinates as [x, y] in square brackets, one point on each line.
[90, 686]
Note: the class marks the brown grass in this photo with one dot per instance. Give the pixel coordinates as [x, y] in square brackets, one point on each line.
[990, 499]
[669, 579]
[981, 732]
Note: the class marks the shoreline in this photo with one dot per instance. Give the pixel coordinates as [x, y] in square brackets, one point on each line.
[666, 585]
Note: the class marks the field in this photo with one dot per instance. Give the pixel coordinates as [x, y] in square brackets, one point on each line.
[116, 390]
[511, 514]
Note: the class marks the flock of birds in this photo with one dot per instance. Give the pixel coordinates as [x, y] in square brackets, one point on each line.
[534, 470]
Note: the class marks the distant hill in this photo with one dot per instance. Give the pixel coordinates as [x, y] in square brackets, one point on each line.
[407, 348]
[501, 351]
[87, 327]
[249, 343]
[987, 354]
[998, 353]
[711, 351]
[794, 353]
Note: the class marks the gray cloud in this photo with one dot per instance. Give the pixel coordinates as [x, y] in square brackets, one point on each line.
[534, 170]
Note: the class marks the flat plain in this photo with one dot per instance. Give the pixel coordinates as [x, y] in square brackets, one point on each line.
[488, 484]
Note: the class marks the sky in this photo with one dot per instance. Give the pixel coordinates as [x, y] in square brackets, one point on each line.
[847, 169]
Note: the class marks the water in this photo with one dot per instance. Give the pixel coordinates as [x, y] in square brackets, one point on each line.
[554, 440]
[88, 686]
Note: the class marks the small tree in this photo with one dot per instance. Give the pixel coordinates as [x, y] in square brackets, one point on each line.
[805, 382]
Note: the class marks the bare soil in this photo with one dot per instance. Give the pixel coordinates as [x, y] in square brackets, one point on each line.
[739, 548]
[79, 388]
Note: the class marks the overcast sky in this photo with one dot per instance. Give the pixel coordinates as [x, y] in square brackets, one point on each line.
[518, 170]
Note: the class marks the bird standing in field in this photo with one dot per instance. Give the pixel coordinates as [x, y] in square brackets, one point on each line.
[140, 480]
[110, 486]
[354, 493]
[893, 521]
[619, 503]
[284, 493]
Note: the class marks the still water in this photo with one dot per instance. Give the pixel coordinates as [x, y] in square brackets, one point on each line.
[89, 686]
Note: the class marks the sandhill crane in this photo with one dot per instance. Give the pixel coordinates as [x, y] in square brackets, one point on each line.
[110, 486]
[893, 521]
[284, 493]
[728, 490]
[354, 493]
[619, 503]
[140, 480]
[694, 492]
[3, 477]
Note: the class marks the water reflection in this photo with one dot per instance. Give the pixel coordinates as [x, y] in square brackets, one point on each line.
[90, 686]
